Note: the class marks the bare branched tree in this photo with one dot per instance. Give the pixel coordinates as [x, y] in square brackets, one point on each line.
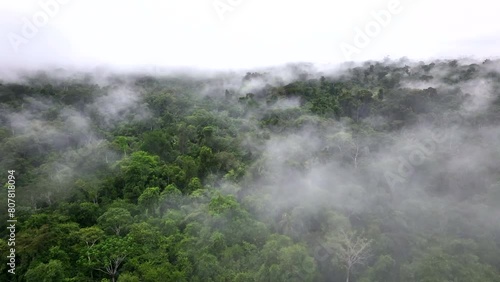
[352, 250]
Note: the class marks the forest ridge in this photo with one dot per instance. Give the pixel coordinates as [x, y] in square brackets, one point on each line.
[374, 172]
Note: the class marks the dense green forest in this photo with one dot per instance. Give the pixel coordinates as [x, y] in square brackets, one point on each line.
[376, 172]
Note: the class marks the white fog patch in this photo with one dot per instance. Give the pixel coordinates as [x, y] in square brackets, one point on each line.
[120, 104]
[253, 85]
[481, 91]
[285, 104]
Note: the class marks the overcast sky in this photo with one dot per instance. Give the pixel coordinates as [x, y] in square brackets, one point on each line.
[242, 33]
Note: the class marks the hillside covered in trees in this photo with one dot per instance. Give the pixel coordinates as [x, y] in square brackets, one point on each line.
[379, 172]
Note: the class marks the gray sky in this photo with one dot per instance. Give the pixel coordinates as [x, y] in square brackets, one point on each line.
[242, 33]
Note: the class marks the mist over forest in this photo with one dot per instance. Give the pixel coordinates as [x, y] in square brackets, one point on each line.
[377, 171]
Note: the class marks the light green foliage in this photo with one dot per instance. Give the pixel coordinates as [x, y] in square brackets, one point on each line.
[46, 272]
[127, 277]
[115, 219]
[149, 200]
[109, 255]
[140, 170]
[285, 261]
